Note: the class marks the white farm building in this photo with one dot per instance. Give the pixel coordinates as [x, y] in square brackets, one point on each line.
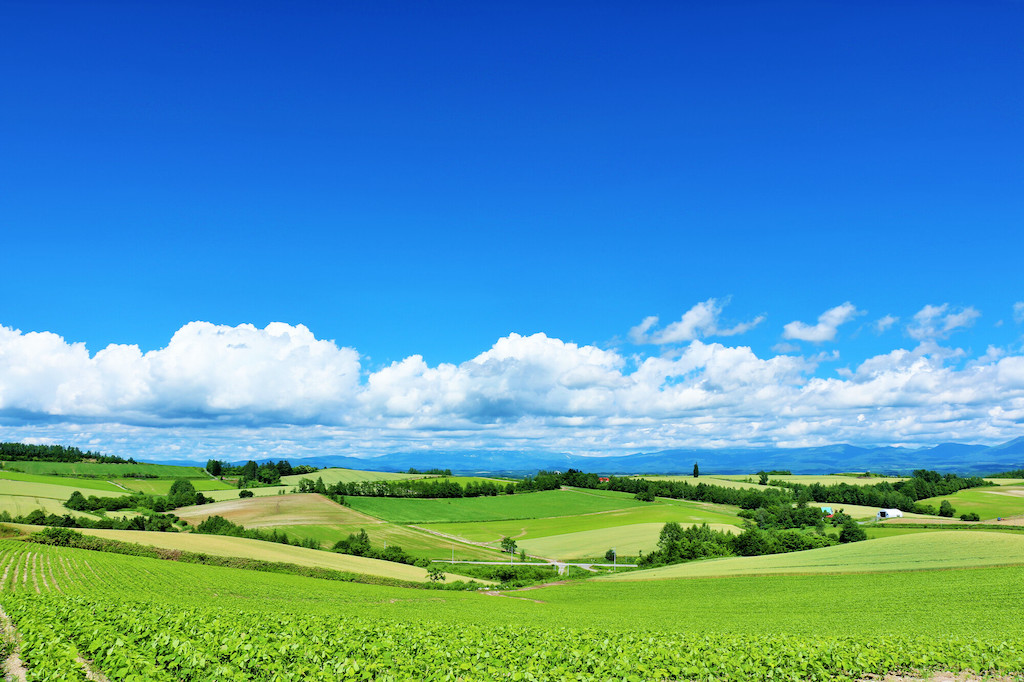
[888, 514]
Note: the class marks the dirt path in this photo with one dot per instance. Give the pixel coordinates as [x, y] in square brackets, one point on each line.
[14, 669]
[495, 593]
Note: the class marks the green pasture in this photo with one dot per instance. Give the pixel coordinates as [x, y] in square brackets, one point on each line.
[21, 505]
[1006, 481]
[501, 507]
[60, 492]
[101, 470]
[808, 479]
[218, 545]
[626, 540]
[162, 486]
[231, 493]
[923, 551]
[988, 503]
[711, 479]
[661, 512]
[339, 475]
[83, 484]
[315, 517]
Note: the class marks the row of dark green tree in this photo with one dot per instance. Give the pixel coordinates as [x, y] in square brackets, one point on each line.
[252, 473]
[164, 523]
[21, 452]
[181, 494]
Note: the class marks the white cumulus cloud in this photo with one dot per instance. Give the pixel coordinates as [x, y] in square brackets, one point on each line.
[884, 323]
[828, 323]
[242, 391]
[1018, 312]
[700, 321]
[939, 321]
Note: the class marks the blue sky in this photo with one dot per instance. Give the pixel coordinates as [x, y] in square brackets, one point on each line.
[428, 180]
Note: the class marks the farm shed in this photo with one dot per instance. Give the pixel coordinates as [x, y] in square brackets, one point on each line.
[888, 514]
[827, 511]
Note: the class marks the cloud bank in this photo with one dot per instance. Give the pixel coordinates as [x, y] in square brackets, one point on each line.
[279, 391]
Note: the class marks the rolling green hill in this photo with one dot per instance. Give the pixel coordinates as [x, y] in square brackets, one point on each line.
[912, 552]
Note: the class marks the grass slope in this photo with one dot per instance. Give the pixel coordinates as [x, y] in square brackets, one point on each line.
[96, 469]
[660, 513]
[338, 475]
[502, 507]
[88, 486]
[924, 551]
[264, 551]
[314, 516]
[53, 491]
[627, 541]
[162, 486]
[989, 503]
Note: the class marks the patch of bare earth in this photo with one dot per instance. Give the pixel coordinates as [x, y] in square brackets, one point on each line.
[91, 673]
[14, 669]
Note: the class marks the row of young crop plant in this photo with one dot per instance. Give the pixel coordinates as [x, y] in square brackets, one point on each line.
[135, 641]
[120, 615]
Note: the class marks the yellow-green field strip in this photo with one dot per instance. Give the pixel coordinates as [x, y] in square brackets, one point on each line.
[924, 551]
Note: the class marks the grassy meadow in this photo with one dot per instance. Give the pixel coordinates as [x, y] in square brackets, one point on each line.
[501, 507]
[339, 475]
[1006, 501]
[909, 552]
[103, 470]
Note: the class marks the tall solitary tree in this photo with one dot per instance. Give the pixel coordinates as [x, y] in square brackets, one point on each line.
[696, 471]
[509, 545]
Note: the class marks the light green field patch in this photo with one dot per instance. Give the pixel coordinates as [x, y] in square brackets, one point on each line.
[626, 540]
[266, 551]
[720, 481]
[82, 484]
[316, 517]
[21, 505]
[923, 551]
[162, 486]
[339, 475]
[232, 493]
[808, 479]
[53, 491]
[1006, 481]
[874, 532]
[99, 470]
[863, 513]
[660, 513]
[988, 503]
[547, 503]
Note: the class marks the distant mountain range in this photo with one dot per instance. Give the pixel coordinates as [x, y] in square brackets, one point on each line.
[946, 457]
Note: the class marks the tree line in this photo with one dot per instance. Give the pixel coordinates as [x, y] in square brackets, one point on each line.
[20, 452]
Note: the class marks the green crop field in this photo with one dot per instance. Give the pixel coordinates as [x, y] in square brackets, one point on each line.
[502, 507]
[830, 479]
[264, 551]
[84, 484]
[314, 516]
[924, 551]
[710, 479]
[131, 619]
[336, 475]
[660, 512]
[60, 492]
[232, 493]
[97, 469]
[627, 541]
[988, 503]
[162, 486]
